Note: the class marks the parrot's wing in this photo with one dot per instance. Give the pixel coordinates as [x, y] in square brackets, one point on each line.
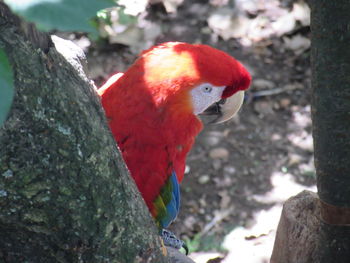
[168, 202]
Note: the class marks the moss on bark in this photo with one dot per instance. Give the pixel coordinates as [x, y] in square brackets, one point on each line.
[65, 193]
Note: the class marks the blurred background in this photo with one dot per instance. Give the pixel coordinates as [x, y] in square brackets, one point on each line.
[239, 173]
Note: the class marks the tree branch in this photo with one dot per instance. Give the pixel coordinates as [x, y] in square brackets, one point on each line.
[66, 195]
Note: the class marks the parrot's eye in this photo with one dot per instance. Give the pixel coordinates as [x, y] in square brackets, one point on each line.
[205, 95]
[207, 88]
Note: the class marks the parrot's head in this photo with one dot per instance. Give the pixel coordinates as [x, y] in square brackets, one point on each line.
[153, 107]
[196, 79]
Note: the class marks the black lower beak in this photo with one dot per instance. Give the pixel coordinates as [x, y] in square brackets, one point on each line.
[225, 109]
[214, 110]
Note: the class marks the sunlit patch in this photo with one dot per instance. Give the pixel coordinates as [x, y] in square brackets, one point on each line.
[159, 66]
[25, 4]
[267, 18]
[284, 186]
[203, 257]
[301, 137]
[254, 244]
[302, 117]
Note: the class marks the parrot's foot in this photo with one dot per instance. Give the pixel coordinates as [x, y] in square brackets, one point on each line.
[171, 240]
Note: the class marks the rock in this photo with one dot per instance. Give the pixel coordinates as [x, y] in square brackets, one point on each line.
[284, 103]
[212, 138]
[219, 153]
[297, 43]
[216, 164]
[276, 137]
[202, 202]
[263, 107]
[189, 222]
[229, 170]
[206, 30]
[303, 140]
[225, 199]
[171, 5]
[201, 211]
[263, 84]
[228, 24]
[199, 10]
[301, 12]
[226, 132]
[294, 159]
[223, 182]
[218, 2]
[204, 179]
[284, 24]
[187, 169]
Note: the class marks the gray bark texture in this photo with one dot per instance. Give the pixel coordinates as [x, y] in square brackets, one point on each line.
[330, 57]
[65, 193]
[302, 237]
[317, 228]
[330, 61]
[298, 230]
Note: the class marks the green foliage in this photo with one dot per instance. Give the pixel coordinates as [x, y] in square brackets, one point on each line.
[204, 243]
[6, 86]
[63, 15]
[193, 244]
[211, 242]
[125, 19]
[104, 16]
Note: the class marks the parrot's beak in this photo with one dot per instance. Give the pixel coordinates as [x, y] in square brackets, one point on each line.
[225, 109]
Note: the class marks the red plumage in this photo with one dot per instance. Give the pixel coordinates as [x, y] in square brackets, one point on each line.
[150, 113]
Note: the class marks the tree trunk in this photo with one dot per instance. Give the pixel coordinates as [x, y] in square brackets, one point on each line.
[331, 99]
[65, 193]
[330, 57]
[297, 232]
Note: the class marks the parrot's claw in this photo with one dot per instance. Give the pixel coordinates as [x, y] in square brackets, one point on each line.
[171, 240]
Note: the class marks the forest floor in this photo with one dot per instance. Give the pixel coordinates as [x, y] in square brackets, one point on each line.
[239, 173]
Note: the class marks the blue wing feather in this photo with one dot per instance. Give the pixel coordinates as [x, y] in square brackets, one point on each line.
[172, 208]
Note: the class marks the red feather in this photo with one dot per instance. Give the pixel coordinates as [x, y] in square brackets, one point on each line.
[149, 108]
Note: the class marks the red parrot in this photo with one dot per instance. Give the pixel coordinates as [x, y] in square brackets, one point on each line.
[152, 110]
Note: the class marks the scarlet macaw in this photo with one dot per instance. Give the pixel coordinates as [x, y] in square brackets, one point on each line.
[153, 109]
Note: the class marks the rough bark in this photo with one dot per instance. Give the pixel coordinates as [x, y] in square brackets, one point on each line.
[330, 58]
[65, 193]
[302, 237]
[298, 230]
[326, 238]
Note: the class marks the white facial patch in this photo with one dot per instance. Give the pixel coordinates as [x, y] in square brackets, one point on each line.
[205, 95]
